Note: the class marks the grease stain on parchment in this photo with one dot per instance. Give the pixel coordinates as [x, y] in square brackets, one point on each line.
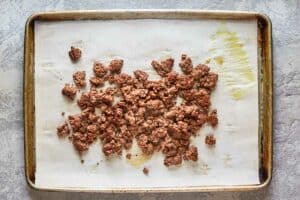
[207, 61]
[232, 62]
[219, 60]
[137, 157]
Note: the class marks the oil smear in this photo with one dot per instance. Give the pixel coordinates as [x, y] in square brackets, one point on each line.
[232, 62]
[137, 157]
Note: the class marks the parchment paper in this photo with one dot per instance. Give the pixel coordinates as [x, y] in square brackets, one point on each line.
[234, 159]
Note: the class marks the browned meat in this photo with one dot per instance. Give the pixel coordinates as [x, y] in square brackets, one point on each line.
[69, 91]
[75, 54]
[96, 81]
[146, 171]
[164, 67]
[115, 66]
[210, 140]
[99, 69]
[141, 75]
[79, 78]
[63, 130]
[137, 108]
[186, 64]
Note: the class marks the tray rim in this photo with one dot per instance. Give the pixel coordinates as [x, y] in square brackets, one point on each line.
[266, 87]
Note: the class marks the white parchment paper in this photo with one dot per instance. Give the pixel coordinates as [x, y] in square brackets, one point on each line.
[233, 161]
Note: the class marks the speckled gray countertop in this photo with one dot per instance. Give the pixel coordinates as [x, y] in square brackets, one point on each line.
[285, 16]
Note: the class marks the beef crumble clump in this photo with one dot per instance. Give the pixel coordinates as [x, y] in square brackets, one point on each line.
[128, 156]
[213, 118]
[141, 75]
[164, 67]
[115, 66]
[146, 171]
[69, 91]
[99, 69]
[63, 130]
[186, 64]
[79, 78]
[75, 54]
[210, 140]
[135, 108]
[191, 153]
[96, 81]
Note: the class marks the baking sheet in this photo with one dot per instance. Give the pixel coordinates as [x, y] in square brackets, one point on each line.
[227, 44]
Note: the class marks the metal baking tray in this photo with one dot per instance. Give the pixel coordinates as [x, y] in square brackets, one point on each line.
[264, 84]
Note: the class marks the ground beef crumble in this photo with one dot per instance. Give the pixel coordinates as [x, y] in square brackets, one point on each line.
[186, 64]
[63, 130]
[96, 81]
[146, 171]
[140, 75]
[79, 78]
[213, 118]
[75, 54]
[128, 156]
[69, 91]
[145, 110]
[115, 66]
[99, 69]
[164, 67]
[191, 154]
[210, 140]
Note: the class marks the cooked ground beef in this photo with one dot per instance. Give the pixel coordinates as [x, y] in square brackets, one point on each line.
[146, 171]
[115, 66]
[99, 69]
[79, 78]
[96, 81]
[63, 130]
[210, 140]
[69, 91]
[128, 156]
[186, 64]
[146, 110]
[75, 54]
[164, 67]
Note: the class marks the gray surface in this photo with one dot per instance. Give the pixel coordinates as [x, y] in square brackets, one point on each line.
[285, 16]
